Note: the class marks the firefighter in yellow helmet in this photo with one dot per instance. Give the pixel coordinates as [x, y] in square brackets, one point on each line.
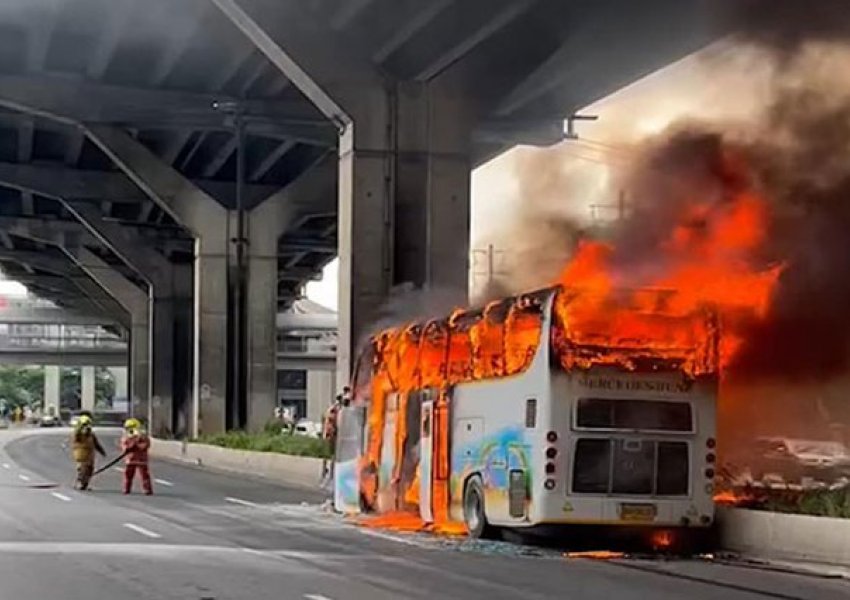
[84, 444]
[135, 444]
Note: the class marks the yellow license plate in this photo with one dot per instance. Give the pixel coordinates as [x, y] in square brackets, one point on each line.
[638, 513]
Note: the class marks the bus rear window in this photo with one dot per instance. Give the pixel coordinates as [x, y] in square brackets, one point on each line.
[633, 415]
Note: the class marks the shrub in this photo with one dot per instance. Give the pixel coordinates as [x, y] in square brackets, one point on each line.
[281, 443]
[820, 503]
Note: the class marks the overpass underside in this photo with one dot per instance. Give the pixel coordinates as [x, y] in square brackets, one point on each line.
[184, 168]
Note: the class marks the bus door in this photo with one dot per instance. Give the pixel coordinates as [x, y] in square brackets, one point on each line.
[426, 453]
[350, 444]
[434, 457]
[387, 492]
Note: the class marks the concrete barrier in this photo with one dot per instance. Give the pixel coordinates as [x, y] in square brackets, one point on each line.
[783, 537]
[280, 468]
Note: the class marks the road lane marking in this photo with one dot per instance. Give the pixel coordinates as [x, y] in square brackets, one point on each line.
[7, 466]
[316, 597]
[142, 530]
[164, 482]
[119, 469]
[23, 478]
[61, 497]
[239, 501]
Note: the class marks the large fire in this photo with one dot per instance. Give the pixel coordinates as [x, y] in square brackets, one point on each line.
[668, 311]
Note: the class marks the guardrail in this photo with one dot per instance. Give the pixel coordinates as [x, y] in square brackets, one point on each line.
[61, 343]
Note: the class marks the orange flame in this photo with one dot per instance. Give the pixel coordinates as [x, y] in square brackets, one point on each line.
[703, 265]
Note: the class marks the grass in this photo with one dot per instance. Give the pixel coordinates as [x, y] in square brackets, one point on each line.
[269, 441]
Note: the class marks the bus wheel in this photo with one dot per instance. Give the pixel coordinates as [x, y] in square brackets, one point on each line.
[473, 511]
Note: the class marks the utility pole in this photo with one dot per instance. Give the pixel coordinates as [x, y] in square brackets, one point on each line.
[238, 409]
[621, 208]
[488, 256]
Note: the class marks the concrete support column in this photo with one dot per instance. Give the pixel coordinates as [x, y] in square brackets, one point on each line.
[261, 306]
[161, 342]
[88, 388]
[52, 389]
[404, 177]
[120, 380]
[208, 222]
[140, 365]
[210, 335]
[320, 393]
[314, 192]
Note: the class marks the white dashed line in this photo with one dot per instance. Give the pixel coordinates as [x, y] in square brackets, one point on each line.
[316, 597]
[23, 478]
[142, 530]
[7, 466]
[239, 501]
[61, 497]
[119, 469]
[164, 482]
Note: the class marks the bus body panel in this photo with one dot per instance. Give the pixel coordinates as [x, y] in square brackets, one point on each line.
[563, 504]
[522, 434]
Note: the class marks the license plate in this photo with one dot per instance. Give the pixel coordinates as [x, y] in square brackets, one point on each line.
[638, 513]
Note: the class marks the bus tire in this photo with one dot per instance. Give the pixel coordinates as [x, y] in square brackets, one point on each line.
[474, 515]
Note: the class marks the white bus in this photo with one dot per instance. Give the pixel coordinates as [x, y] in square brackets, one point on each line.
[518, 425]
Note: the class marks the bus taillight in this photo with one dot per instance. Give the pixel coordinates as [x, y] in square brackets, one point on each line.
[552, 437]
[710, 443]
[551, 453]
[710, 458]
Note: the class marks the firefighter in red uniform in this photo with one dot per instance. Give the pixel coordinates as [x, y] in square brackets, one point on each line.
[135, 444]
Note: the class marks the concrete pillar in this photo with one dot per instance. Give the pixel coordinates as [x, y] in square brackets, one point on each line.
[412, 230]
[159, 414]
[88, 388]
[403, 162]
[320, 393]
[52, 389]
[312, 193]
[140, 364]
[208, 221]
[120, 380]
[210, 336]
[261, 307]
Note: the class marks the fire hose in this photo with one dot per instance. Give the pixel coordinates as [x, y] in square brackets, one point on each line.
[111, 463]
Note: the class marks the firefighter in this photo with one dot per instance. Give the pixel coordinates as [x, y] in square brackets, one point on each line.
[84, 444]
[135, 444]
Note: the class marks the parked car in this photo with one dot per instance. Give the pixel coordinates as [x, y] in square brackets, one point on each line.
[48, 420]
[795, 459]
[308, 428]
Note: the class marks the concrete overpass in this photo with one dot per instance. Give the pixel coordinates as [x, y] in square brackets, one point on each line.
[183, 168]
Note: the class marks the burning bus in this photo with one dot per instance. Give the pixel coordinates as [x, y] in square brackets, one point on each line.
[551, 407]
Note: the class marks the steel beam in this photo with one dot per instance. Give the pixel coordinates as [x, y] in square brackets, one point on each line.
[60, 181]
[329, 74]
[74, 101]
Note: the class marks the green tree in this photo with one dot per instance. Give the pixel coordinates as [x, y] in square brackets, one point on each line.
[71, 390]
[21, 386]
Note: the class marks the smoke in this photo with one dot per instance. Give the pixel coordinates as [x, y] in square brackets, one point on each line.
[408, 304]
[786, 26]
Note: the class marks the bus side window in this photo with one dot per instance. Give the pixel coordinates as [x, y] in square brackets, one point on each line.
[531, 413]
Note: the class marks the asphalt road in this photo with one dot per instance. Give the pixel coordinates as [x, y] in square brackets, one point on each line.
[211, 536]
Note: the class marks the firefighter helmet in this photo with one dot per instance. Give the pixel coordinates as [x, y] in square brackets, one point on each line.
[132, 424]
